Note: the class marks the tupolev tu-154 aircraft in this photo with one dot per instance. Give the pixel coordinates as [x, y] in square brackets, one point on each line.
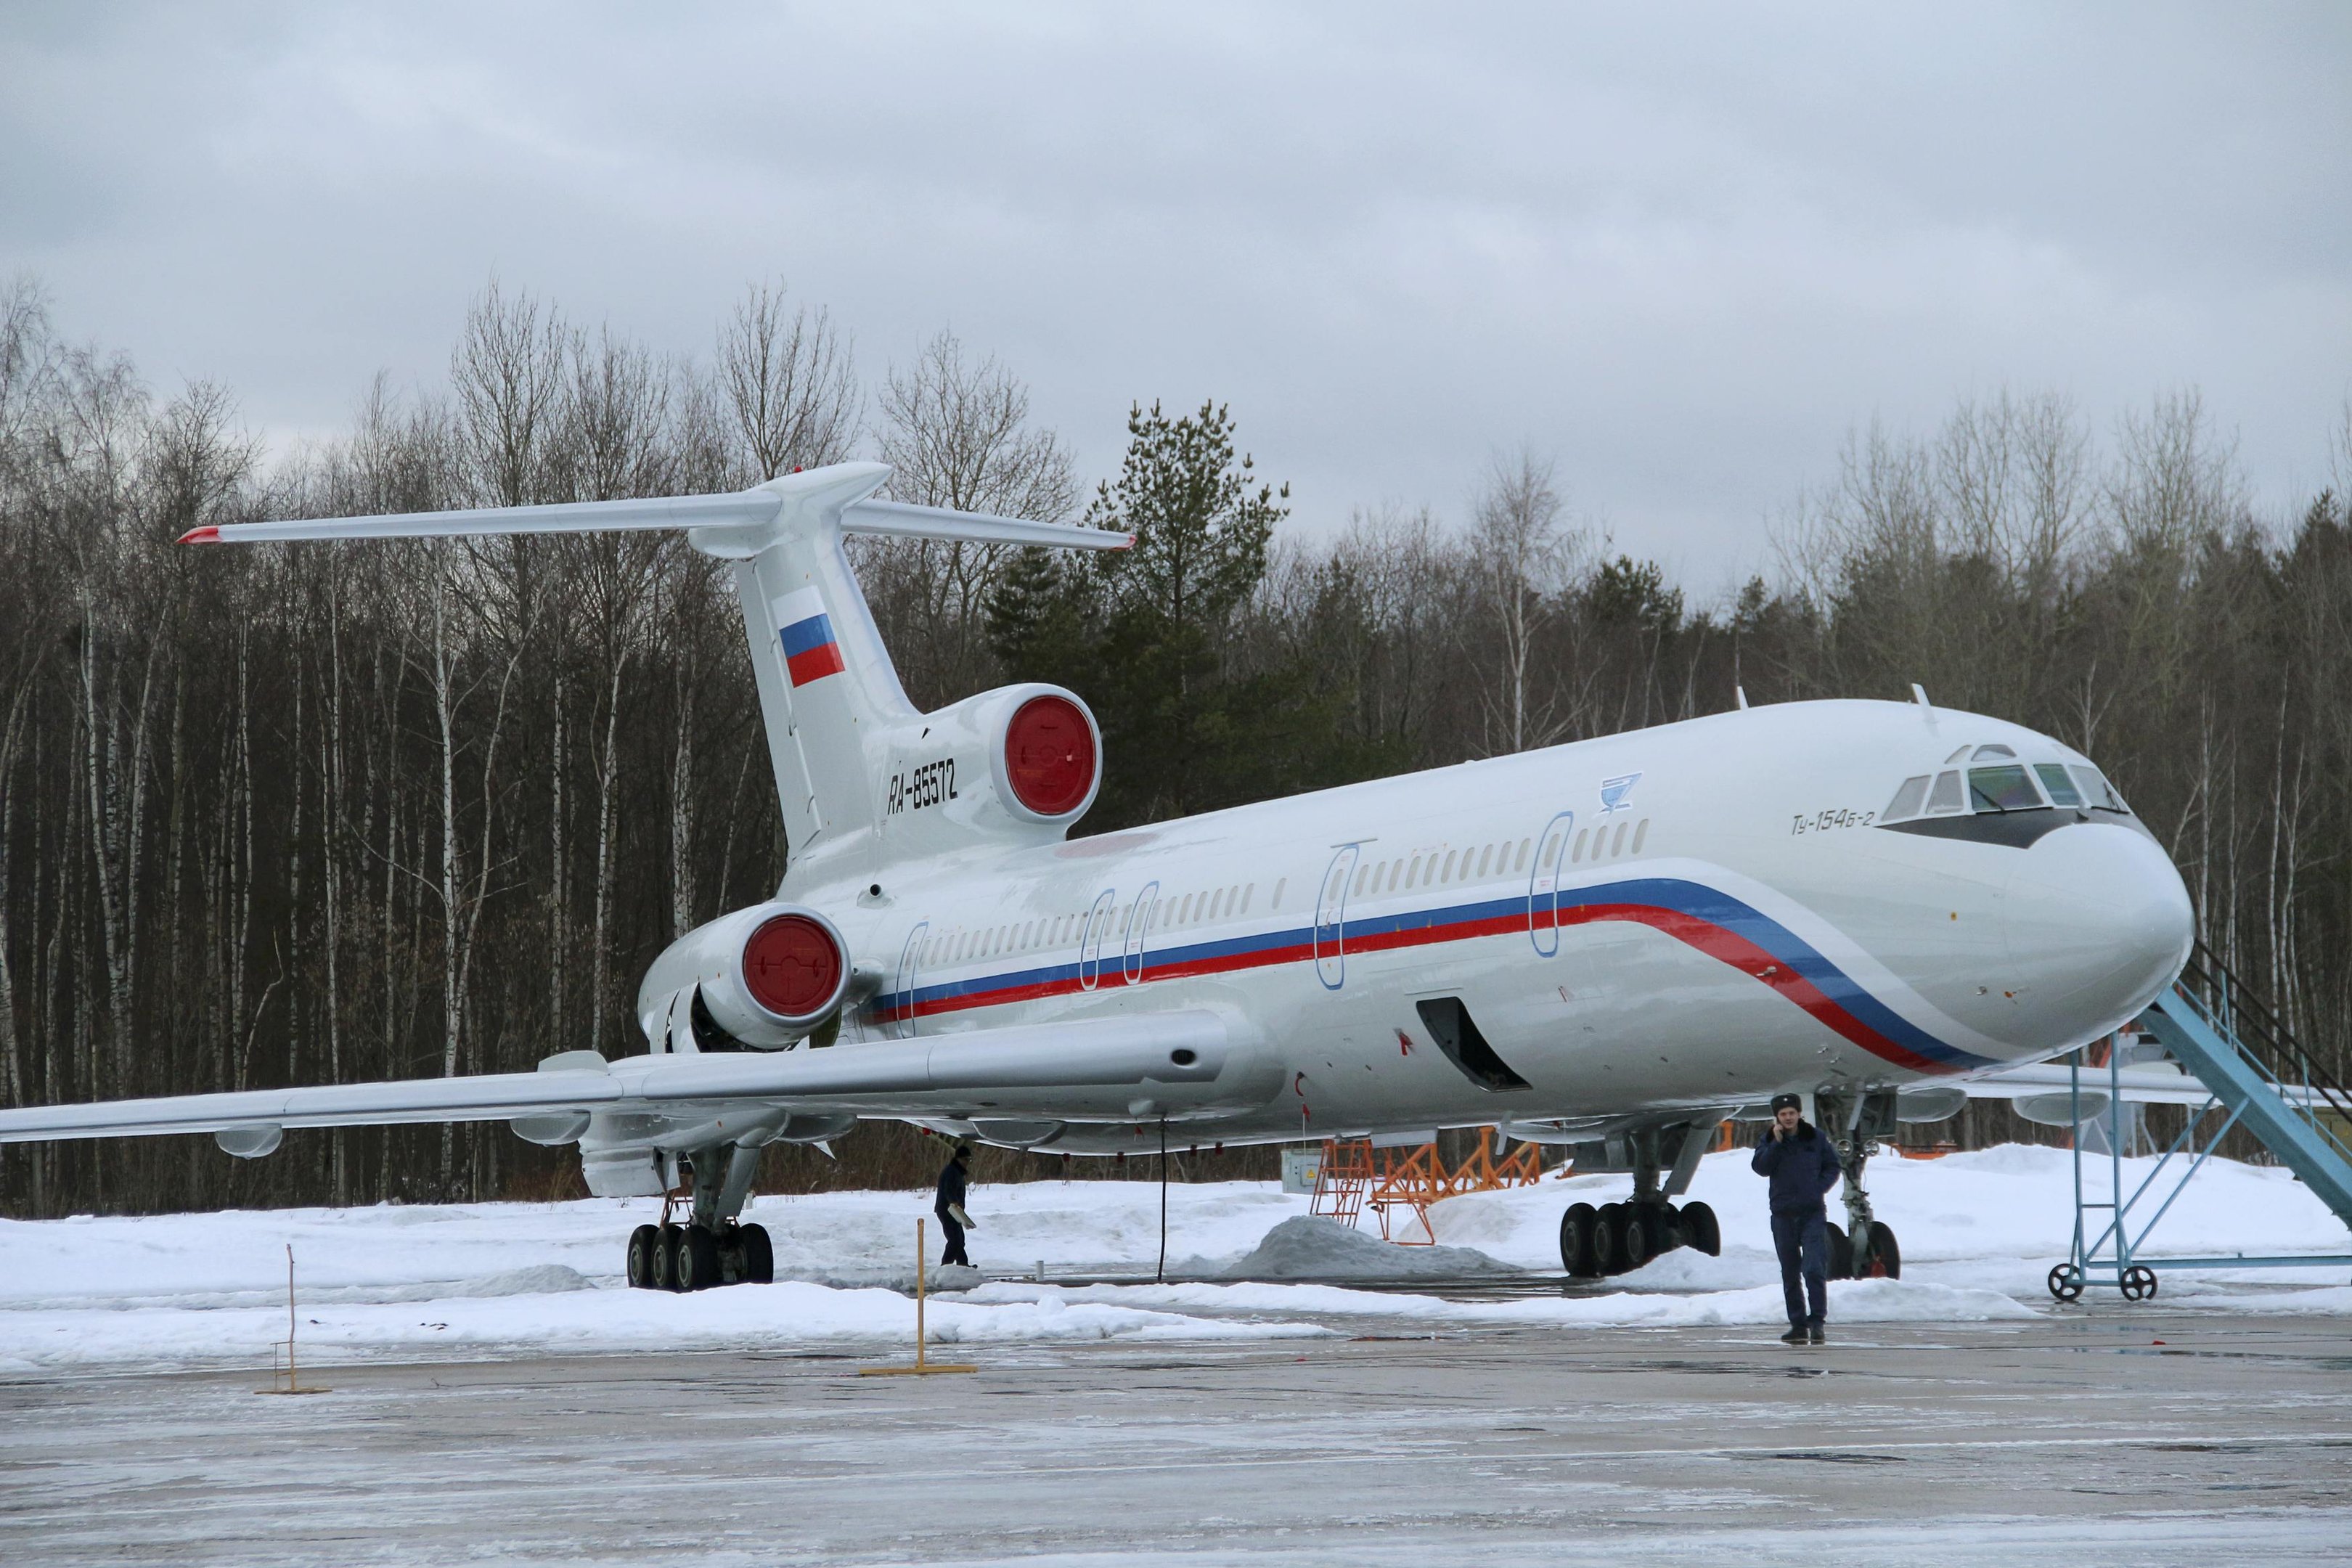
[1614, 944]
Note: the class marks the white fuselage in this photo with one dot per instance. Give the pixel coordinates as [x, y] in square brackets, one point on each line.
[1692, 916]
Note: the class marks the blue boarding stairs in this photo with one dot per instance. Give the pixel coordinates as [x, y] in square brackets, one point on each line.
[2254, 1072]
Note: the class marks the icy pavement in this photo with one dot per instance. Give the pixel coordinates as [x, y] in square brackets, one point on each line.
[2136, 1435]
[1978, 1233]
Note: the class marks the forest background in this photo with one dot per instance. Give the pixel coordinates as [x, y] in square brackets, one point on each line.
[307, 814]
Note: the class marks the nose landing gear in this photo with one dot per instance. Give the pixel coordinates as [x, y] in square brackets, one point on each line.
[712, 1247]
[1865, 1247]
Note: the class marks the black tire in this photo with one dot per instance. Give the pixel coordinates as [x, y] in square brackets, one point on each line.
[643, 1241]
[697, 1260]
[759, 1254]
[1885, 1257]
[1576, 1227]
[1840, 1259]
[1641, 1239]
[1701, 1230]
[2137, 1284]
[665, 1258]
[1609, 1240]
[2066, 1284]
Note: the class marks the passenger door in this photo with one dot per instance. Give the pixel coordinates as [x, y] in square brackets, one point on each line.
[1543, 884]
[1331, 918]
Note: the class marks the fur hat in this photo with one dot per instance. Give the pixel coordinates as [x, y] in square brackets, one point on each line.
[1788, 1102]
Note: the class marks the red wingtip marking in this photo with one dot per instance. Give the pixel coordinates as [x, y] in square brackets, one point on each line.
[1128, 545]
[208, 534]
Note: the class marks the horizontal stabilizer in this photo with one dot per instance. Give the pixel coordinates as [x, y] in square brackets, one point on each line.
[735, 514]
[1180, 1056]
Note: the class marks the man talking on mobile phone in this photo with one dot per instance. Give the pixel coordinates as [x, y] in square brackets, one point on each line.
[1803, 1167]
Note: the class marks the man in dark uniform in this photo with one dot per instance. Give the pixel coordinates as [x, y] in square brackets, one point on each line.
[1803, 1167]
[949, 1207]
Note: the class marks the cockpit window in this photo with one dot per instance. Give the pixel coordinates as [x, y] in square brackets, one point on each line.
[1985, 753]
[1945, 798]
[2003, 789]
[1908, 799]
[2097, 791]
[2062, 788]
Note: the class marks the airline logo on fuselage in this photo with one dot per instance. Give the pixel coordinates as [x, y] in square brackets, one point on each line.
[810, 651]
[1614, 793]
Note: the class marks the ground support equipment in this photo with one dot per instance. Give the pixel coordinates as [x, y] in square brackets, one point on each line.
[2254, 1071]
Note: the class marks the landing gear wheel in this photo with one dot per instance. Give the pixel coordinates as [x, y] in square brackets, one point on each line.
[665, 1258]
[1642, 1240]
[1577, 1229]
[697, 1260]
[643, 1241]
[759, 1257]
[1840, 1259]
[2137, 1284]
[1885, 1257]
[1701, 1231]
[1609, 1240]
[2065, 1283]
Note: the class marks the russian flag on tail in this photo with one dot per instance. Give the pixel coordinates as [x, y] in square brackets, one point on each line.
[810, 651]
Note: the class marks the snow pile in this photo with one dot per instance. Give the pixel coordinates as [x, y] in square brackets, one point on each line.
[1309, 1246]
[1978, 1233]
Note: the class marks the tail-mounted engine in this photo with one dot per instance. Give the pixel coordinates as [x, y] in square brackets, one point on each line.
[763, 977]
[1018, 762]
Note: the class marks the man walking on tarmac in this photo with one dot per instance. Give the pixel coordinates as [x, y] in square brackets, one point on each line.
[1803, 1167]
[948, 1206]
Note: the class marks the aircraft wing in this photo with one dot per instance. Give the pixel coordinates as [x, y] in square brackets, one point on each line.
[1088, 1070]
[2140, 1086]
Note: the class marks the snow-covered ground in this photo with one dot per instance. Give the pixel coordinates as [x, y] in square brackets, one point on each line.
[1978, 1232]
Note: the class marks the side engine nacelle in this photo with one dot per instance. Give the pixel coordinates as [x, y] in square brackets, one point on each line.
[763, 977]
[1019, 762]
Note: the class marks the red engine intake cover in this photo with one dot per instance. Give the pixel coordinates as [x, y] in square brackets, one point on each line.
[1049, 755]
[791, 966]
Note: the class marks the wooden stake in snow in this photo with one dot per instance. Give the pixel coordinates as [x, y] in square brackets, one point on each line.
[922, 1368]
[283, 1379]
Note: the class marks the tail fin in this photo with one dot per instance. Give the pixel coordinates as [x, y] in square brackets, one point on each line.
[828, 692]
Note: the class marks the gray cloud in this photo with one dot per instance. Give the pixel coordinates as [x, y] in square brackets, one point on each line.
[1682, 249]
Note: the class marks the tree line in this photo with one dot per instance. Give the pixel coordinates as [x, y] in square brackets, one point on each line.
[308, 814]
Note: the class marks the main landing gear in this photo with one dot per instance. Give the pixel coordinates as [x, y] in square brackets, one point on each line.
[1617, 1238]
[713, 1246]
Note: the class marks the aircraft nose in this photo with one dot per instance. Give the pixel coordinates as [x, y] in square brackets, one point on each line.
[2097, 923]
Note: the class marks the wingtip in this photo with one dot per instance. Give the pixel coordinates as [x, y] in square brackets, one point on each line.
[208, 534]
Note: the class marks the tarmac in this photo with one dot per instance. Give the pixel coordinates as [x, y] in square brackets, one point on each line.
[2105, 1434]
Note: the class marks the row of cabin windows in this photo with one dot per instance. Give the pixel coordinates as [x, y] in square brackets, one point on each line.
[1426, 870]
[1191, 909]
[1993, 785]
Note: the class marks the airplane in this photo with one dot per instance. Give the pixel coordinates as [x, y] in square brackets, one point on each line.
[1614, 944]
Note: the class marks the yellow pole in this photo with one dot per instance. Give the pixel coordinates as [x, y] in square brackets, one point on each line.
[918, 1294]
[292, 1381]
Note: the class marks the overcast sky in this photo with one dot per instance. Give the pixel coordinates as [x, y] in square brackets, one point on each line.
[1680, 249]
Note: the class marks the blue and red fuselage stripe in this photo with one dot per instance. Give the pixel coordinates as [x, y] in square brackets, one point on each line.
[1700, 917]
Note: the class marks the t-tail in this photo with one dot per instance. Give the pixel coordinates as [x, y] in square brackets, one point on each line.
[864, 780]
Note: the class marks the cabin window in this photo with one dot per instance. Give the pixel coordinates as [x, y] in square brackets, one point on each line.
[1217, 907]
[1248, 893]
[1486, 859]
[2060, 788]
[1945, 798]
[2005, 788]
[1617, 845]
[1375, 871]
[1449, 866]
[1576, 853]
[1412, 873]
[1280, 883]
[1551, 850]
[1640, 832]
[1908, 799]
[1184, 909]
[1522, 864]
